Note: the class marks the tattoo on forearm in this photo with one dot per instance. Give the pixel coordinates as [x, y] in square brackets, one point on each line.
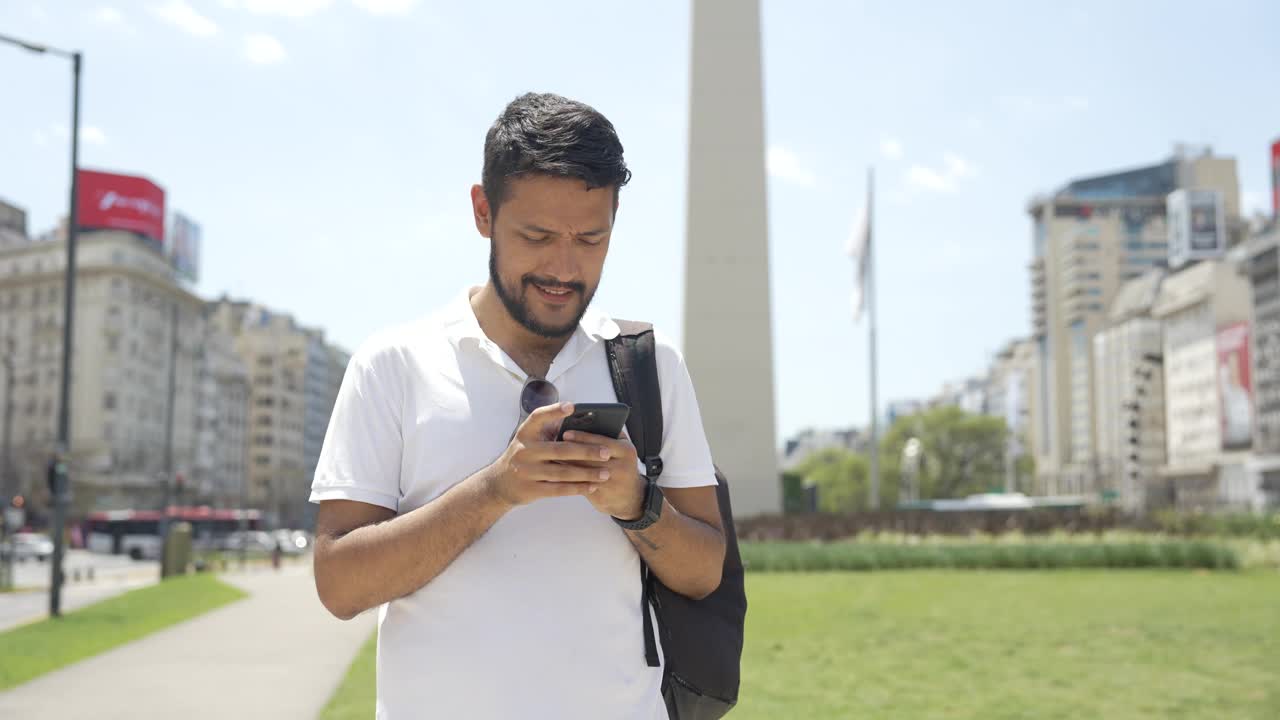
[647, 542]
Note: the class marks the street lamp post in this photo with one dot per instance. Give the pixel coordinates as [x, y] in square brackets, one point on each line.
[59, 479]
[7, 489]
[6, 442]
[911, 456]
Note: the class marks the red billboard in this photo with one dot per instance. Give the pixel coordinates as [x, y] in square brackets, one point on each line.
[1235, 387]
[121, 202]
[1275, 178]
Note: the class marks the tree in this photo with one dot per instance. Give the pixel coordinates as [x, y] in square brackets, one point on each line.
[963, 454]
[841, 478]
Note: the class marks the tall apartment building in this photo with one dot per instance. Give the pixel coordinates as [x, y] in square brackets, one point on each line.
[1263, 266]
[1090, 238]
[1129, 437]
[124, 328]
[1206, 310]
[222, 422]
[1009, 397]
[970, 395]
[292, 385]
[13, 224]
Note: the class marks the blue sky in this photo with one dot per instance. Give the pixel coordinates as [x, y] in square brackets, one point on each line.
[327, 147]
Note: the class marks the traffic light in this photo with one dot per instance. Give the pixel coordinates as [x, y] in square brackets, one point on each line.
[57, 478]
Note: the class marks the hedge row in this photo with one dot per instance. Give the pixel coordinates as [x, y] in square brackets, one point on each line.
[854, 556]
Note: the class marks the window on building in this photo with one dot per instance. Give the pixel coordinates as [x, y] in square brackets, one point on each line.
[109, 401]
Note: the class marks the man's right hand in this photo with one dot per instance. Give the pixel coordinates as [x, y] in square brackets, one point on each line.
[535, 466]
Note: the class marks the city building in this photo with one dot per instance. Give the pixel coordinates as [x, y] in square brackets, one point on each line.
[222, 422]
[1129, 438]
[128, 309]
[969, 395]
[901, 408]
[1205, 310]
[1088, 239]
[321, 380]
[809, 442]
[13, 225]
[1009, 397]
[291, 393]
[1263, 267]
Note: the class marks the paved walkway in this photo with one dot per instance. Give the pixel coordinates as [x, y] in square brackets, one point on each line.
[26, 606]
[275, 654]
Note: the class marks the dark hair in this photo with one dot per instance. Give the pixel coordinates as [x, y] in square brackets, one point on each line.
[545, 134]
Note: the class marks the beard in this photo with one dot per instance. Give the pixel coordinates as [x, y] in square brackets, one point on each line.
[516, 300]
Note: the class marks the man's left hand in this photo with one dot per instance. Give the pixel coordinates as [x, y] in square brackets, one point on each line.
[622, 495]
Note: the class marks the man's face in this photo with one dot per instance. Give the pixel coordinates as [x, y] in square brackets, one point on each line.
[547, 248]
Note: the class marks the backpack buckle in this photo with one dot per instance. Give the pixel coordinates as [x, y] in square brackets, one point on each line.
[653, 467]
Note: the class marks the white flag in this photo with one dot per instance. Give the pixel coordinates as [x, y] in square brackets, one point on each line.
[859, 248]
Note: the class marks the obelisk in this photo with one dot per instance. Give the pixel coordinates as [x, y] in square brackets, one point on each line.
[728, 336]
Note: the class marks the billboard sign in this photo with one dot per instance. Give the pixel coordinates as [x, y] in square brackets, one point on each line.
[1235, 387]
[1197, 226]
[184, 247]
[108, 201]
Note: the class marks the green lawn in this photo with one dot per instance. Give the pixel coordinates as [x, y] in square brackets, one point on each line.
[355, 697]
[1114, 644]
[33, 650]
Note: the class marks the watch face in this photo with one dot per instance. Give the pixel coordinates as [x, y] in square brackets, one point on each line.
[653, 506]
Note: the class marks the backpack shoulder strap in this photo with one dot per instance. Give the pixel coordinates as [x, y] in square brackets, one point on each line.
[634, 368]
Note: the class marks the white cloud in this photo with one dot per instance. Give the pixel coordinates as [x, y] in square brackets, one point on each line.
[92, 135]
[89, 135]
[285, 8]
[957, 167]
[784, 165]
[891, 149]
[184, 16]
[111, 17]
[945, 179]
[385, 7]
[930, 179]
[1042, 104]
[262, 49]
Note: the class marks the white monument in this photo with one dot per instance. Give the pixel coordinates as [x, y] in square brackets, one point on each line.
[728, 335]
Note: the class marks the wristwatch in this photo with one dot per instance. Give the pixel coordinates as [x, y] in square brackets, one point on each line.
[652, 507]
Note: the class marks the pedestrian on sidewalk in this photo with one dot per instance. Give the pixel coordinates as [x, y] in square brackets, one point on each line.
[504, 562]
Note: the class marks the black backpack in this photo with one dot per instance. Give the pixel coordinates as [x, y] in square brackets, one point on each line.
[701, 639]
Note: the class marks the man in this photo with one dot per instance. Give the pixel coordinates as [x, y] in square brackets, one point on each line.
[507, 583]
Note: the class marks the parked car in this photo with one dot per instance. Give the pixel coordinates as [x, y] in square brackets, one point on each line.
[28, 545]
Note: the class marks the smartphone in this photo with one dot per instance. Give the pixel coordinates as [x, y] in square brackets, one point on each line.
[607, 419]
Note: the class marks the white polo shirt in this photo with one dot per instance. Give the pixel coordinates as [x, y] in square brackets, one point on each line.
[540, 617]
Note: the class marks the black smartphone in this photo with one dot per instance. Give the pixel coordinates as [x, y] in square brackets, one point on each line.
[607, 419]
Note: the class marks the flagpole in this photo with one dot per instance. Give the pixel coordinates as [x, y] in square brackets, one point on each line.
[871, 317]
